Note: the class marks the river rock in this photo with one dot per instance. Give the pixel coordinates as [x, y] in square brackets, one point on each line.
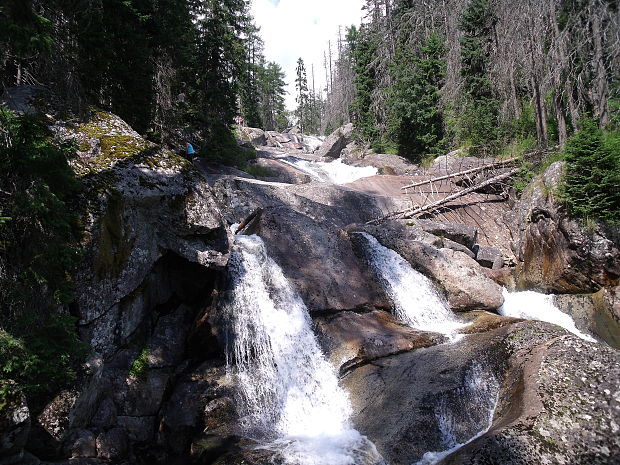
[336, 142]
[350, 339]
[557, 253]
[566, 390]
[254, 136]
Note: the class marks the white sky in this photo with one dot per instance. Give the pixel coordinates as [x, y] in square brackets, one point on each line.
[302, 28]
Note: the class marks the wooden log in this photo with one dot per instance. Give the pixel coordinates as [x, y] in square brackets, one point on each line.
[462, 173]
[255, 214]
[414, 211]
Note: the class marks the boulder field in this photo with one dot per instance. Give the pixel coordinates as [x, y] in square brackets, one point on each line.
[158, 235]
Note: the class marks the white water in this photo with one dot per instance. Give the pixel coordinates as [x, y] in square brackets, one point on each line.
[416, 300]
[455, 412]
[335, 171]
[290, 393]
[531, 305]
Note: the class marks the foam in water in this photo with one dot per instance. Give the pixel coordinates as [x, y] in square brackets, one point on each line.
[289, 392]
[456, 417]
[335, 171]
[531, 305]
[415, 298]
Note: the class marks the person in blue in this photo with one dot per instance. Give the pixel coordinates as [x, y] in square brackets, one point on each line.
[189, 149]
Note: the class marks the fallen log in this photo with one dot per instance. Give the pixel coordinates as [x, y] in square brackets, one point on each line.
[414, 211]
[255, 215]
[462, 173]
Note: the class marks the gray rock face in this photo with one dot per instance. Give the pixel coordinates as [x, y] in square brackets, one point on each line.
[489, 257]
[557, 254]
[569, 404]
[465, 284]
[112, 444]
[336, 142]
[301, 226]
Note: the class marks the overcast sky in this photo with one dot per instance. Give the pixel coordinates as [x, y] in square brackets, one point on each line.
[302, 28]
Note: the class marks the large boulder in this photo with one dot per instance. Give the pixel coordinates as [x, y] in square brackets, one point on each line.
[559, 403]
[301, 226]
[546, 395]
[557, 253]
[336, 142]
[350, 339]
[466, 285]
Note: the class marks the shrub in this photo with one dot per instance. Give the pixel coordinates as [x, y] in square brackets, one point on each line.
[592, 182]
[140, 366]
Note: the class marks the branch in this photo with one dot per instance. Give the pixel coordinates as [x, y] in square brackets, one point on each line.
[414, 211]
[462, 173]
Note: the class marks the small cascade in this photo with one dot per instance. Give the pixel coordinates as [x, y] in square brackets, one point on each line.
[531, 305]
[461, 412]
[290, 396]
[335, 171]
[416, 300]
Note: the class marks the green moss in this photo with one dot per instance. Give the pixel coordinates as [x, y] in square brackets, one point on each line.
[140, 366]
[258, 171]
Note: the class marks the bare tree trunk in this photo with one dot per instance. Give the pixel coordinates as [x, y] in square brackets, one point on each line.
[601, 91]
[559, 113]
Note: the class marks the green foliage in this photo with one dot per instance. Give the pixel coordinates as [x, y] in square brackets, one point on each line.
[479, 117]
[140, 366]
[38, 343]
[416, 120]
[592, 182]
[363, 49]
[272, 92]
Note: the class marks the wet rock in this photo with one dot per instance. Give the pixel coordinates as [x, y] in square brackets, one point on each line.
[14, 423]
[301, 227]
[80, 443]
[336, 142]
[112, 444]
[201, 401]
[489, 257]
[597, 314]
[350, 339]
[423, 381]
[465, 284]
[167, 344]
[556, 253]
[559, 404]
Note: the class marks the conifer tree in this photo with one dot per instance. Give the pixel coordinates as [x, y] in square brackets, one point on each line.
[479, 115]
[303, 99]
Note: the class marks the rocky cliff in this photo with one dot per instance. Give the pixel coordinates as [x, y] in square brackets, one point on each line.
[157, 239]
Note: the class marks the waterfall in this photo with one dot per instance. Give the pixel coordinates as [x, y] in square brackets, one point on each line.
[531, 305]
[335, 171]
[469, 408]
[416, 300]
[290, 396]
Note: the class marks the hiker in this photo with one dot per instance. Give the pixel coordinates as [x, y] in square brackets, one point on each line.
[189, 150]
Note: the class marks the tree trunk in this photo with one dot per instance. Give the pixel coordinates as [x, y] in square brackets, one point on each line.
[601, 90]
[559, 113]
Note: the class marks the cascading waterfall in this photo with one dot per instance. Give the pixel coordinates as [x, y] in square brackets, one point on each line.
[335, 171]
[469, 408]
[415, 298]
[531, 305]
[290, 396]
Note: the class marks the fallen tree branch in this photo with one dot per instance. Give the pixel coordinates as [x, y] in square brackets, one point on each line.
[462, 173]
[414, 211]
[251, 217]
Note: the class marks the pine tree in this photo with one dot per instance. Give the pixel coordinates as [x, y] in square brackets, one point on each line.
[362, 54]
[272, 91]
[416, 120]
[303, 99]
[592, 182]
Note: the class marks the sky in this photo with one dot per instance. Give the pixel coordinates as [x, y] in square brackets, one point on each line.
[302, 28]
